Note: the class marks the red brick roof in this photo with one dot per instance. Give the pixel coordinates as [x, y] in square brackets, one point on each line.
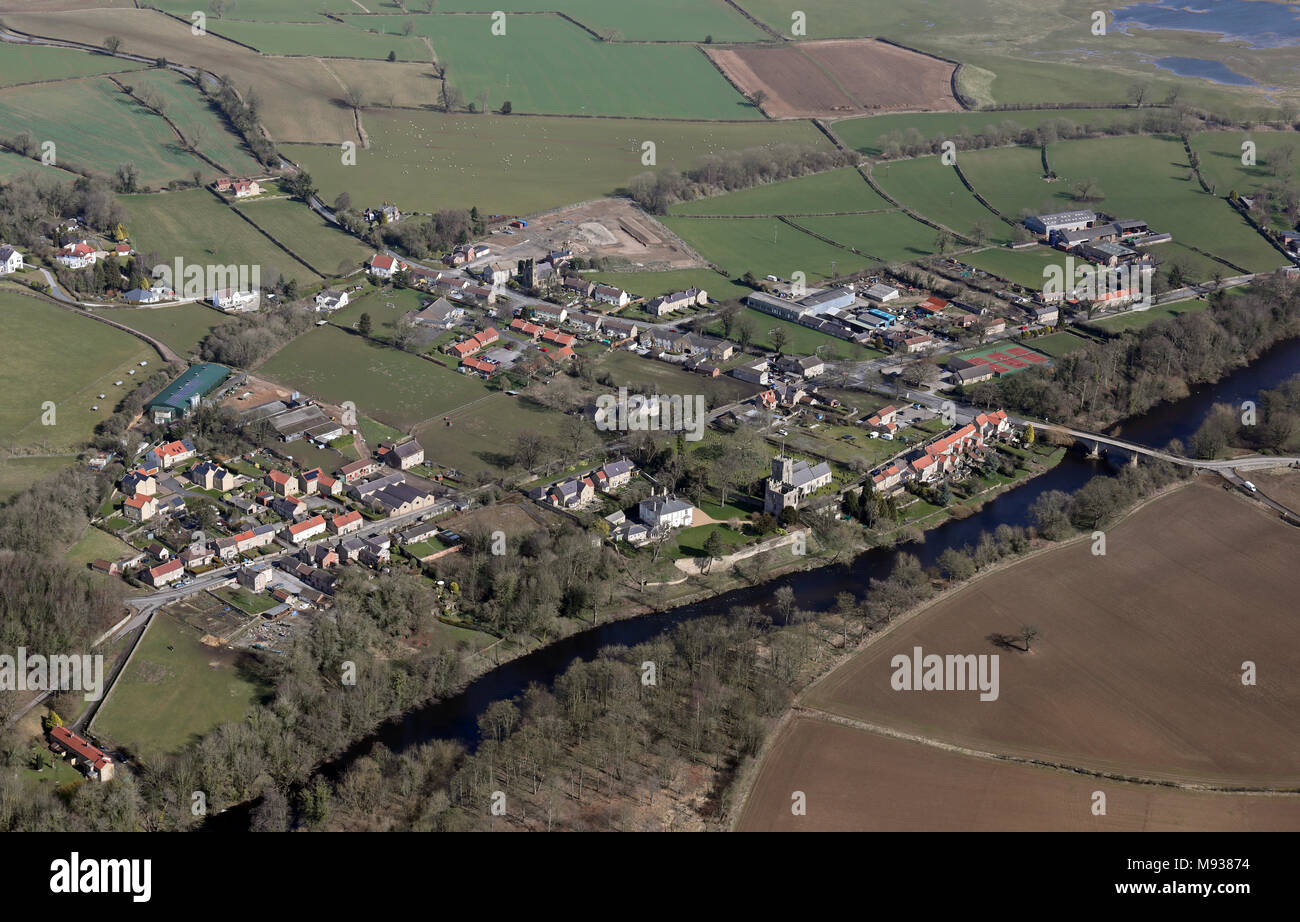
[79, 747]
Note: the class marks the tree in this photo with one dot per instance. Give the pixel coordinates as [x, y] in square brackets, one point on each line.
[408, 26]
[1030, 434]
[355, 97]
[1027, 634]
[779, 337]
[1137, 93]
[364, 325]
[342, 202]
[452, 97]
[714, 546]
[528, 449]
[112, 44]
[507, 108]
[757, 98]
[944, 241]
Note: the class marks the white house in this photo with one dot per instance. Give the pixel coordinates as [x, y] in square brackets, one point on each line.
[10, 260]
[331, 299]
[610, 295]
[666, 512]
[77, 255]
[383, 267]
[227, 299]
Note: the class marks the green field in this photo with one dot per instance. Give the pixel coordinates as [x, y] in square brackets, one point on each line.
[799, 339]
[1221, 153]
[1024, 267]
[326, 247]
[96, 127]
[766, 246]
[482, 437]
[196, 119]
[394, 387]
[322, 39]
[201, 229]
[1139, 177]
[427, 161]
[1011, 178]
[181, 326]
[174, 690]
[34, 64]
[384, 307]
[97, 545]
[929, 188]
[17, 474]
[1058, 344]
[662, 21]
[652, 284]
[888, 237]
[264, 10]
[649, 376]
[832, 192]
[50, 354]
[545, 65]
[1136, 320]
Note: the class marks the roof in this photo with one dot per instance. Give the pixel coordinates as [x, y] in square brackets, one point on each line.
[166, 569]
[78, 746]
[174, 448]
[196, 381]
[316, 521]
[665, 505]
[347, 518]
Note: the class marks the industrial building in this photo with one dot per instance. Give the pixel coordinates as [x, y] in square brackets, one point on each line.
[184, 395]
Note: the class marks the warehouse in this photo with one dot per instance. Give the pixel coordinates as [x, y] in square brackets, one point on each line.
[185, 394]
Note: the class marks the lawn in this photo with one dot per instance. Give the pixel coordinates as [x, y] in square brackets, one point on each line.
[181, 326]
[53, 355]
[766, 246]
[514, 164]
[322, 245]
[97, 545]
[800, 340]
[385, 308]
[254, 603]
[322, 39]
[34, 64]
[174, 690]
[544, 64]
[96, 127]
[481, 437]
[652, 284]
[689, 542]
[889, 237]
[929, 188]
[196, 226]
[394, 387]
[832, 192]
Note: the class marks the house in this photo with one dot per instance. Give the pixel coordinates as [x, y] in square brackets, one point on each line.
[316, 481]
[305, 530]
[211, 476]
[889, 478]
[331, 299]
[139, 483]
[255, 579]
[10, 260]
[228, 299]
[619, 329]
[166, 456]
[580, 286]
[403, 456]
[560, 339]
[142, 296]
[665, 512]
[791, 482]
[531, 330]
[282, 483]
[806, 366]
[473, 343]
[319, 555]
[1047, 315]
[165, 573]
[76, 255]
[909, 342]
[363, 491]
[755, 372]
[498, 274]
[289, 507]
[400, 499]
[440, 314]
[158, 552]
[172, 505]
[676, 301]
[243, 188]
[383, 267]
[881, 293]
[88, 759]
[994, 325]
[607, 294]
[474, 365]
[356, 470]
[572, 493]
[140, 508]
[347, 523]
[550, 313]
[196, 556]
[993, 424]
[618, 474]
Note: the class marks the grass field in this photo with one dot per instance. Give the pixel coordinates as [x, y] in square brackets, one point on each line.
[858, 781]
[515, 164]
[928, 187]
[799, 339]
[17, 474]
[767, 246]
[35, 64]
[201, 229]
[1136, 320]
[185, 106]
[835, 191]
[330, 250]
[654, 377]
[96, 127]
[664, 21]
[1153, 671]
[652, 284]
[50, 354]
[1058, 344]
[267, 10]
[385, 309]
[323, 39]
[481, 438]
[543, 65]
[1221, 153]
[1024, 267]
[888, 237]
[97, 545]
[174, 690]
[181, 326]
[394, 387]
[1139, 177]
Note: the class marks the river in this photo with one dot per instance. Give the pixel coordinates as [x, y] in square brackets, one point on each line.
[457, 717]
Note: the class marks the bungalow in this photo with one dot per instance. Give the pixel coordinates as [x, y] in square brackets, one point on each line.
[167, 455]
[560, 339]
[478, 293]
[607, 294]
[440, 314]
[10, 260]
[282, 483]
[347, 523]
[140, 508]
[473, 364]
[382, 266]
[354, 471]
[88, 759]
[165, 573]
[331, 299]
[76, 255]
[142, 296]
[665, 512]
[306, 530]
[619, 329]
[403, 456]
[473, 343]
[211, 476]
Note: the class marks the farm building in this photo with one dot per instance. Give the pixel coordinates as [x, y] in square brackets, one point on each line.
[1047, 224]
[185, 394]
